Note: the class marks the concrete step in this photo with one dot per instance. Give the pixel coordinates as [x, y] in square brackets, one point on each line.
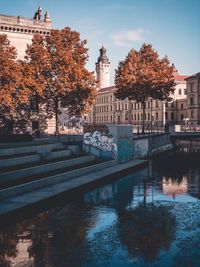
[41, 149]
[12, 163]
[19, 160]
[54, 179]
[11, 176]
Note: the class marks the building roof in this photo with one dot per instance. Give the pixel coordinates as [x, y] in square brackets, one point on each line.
[107, 89]
[181, 77]
[113, 87]
[196, 75]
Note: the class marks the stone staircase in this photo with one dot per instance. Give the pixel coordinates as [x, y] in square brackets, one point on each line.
[35, 166]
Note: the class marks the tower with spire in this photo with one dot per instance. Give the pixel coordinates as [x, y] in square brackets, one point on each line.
[103, 69]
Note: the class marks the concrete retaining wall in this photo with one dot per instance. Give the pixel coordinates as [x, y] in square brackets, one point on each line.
[97, 152]
[145, 146]
[20, 189]
[4, 163]
[22, 173]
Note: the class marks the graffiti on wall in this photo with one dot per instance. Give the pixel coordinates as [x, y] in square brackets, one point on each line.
[101, 141]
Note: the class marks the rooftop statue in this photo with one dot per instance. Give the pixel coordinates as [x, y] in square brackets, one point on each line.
[38, 14]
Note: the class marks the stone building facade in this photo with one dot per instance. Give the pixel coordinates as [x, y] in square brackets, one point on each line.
[110, 110]
[193, 97]
[20, 31]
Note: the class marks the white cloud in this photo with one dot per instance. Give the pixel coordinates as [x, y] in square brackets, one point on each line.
[126, 38]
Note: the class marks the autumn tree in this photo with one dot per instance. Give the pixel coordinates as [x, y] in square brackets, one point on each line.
[57, 62]
[15, 88]
[9, 79]
[143, 75]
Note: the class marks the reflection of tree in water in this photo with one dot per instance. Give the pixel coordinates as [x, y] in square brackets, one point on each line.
[8, 245]
[58, 238]
[146, 230]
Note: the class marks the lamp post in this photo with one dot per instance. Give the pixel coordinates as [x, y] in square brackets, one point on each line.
[186, 120]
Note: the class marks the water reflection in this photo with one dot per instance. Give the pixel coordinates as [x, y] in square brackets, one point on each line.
[135, 221]
[146, 230]
[174, 187]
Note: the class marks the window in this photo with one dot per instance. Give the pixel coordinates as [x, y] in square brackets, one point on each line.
[156, 115]
[35, 104]
[166, 115]
[182, 117]
[156, 104]
[191, 87]
[179, 91]
[172, 104]
[172, 116]
[191, 101]
[192, 114]
[166, 104]
[181, 105]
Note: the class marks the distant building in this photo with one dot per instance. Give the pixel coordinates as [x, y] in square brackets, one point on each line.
[193, 97]
[108, 109]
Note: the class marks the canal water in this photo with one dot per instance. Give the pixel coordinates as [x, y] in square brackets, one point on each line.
[150, 217]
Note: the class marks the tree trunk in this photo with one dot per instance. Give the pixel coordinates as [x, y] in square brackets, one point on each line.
[56, 118]
[143, 114]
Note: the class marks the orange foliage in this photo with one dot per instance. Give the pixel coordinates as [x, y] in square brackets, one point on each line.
[142, 75]
[57, 62]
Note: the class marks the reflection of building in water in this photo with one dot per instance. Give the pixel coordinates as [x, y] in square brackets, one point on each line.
[22, 258]
[174, 188]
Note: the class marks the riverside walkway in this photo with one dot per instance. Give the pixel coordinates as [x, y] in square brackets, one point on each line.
[10, 206]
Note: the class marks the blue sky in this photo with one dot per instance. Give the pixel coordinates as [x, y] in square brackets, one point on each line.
[171, 26]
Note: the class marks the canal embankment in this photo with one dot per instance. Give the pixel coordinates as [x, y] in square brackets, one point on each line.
[19, 200]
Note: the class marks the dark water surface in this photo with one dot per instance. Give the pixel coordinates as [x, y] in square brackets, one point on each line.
[148, 218]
